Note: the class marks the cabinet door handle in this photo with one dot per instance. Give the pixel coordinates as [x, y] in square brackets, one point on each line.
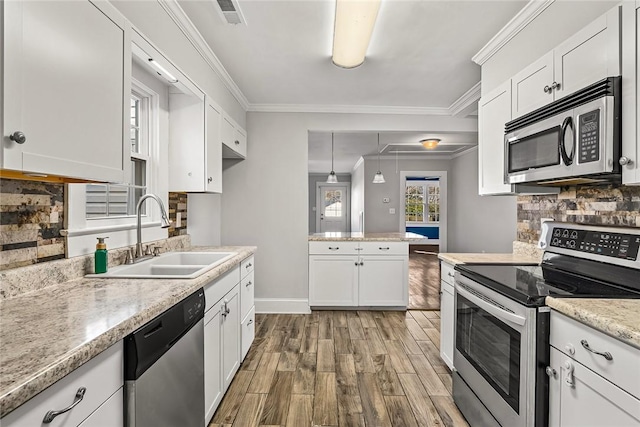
[49, 416]
[249, 322]
[334, 248]
[606, 354]
[248, 265]
[384, 249]
[249, 283]
[210, 180]
[237, 142]
[450, 274]
[568, 378]
[18, 137]
[361, 262]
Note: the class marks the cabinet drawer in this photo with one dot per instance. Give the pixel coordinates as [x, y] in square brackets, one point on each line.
[101, 377]
[215, 290]
[567, 335]
[110, 413]
[248, 331]
[384, 248]
[446, 272]
[246, 266]
[333, 248]
[246, 294]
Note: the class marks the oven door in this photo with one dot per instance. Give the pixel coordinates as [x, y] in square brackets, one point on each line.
[495, 351]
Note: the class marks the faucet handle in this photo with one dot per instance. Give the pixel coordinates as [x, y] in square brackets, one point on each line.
[156, 251]
[147, 250]
[130, 257]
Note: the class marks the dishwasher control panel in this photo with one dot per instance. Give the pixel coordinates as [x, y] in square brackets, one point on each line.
[193, 307]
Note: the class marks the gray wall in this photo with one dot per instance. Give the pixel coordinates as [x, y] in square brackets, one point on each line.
[265, 200]
[554, 25]
[377, 216]
[314, 178]
[475, 223]
[357, 195]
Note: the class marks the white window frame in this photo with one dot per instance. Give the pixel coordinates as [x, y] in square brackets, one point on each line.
[82, 231]
[425, 184]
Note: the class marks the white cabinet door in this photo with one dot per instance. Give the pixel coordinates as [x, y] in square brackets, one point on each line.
[109, 414]
[630, 94]
[228, 131]
[383, 280]
[447, 323]
[529, 86]
[230, 336]
[66, 79]
[212, 361]
[590, 401]
[214, 149]
[591, 54]
[234, 139]
[494, 110]
[333, 280]
[240, 142]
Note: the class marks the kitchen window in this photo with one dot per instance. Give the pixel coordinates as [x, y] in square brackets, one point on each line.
[422, 202]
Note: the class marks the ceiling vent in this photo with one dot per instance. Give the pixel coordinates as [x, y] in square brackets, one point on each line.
[230, 12]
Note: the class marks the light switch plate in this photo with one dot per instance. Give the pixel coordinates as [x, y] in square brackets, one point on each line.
[392, 211]
[385, 200]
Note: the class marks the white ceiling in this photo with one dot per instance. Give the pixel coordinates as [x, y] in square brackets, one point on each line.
[350, 146]
[419, 56]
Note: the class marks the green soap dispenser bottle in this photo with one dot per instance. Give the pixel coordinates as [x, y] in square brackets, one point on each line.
[101, 256]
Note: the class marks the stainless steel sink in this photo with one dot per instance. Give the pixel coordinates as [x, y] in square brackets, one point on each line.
[172, 265]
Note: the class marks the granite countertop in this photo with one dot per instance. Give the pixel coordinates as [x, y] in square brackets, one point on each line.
[365, 237]
[484, 258]
[616, 317]
[46, 334]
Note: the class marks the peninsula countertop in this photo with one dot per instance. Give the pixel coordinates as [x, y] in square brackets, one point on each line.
[46, 334]
[486, 258]
[364, 237]
[616, 317]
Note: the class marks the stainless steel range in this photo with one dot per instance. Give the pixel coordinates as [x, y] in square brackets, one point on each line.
[502, 323]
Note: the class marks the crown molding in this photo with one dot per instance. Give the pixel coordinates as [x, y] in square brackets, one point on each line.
[467, 103]
[358, 163]
[463, 152]
[177, 14]
[509, 31]
[342, 109]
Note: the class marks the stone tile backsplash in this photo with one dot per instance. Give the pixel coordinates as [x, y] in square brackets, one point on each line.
[31, 218]
[606, 205]
[178, 214]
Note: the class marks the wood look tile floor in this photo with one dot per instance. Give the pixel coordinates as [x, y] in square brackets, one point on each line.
[342, 368]
[424, 278]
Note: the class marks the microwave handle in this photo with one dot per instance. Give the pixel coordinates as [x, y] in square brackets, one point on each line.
[490, 308]
[566, 157]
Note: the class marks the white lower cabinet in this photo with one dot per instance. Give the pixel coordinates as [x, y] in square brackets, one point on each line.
[102, 378]
[351, 274]
[591, 388]
[230, 336]
[248, 331]
[447, 314]
[247, 306]
[213, 390]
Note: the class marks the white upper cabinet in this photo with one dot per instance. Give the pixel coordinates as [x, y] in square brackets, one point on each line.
[213, 146]
[66, 79]
[591, 54]
[630, 98]
[234, 139]
[494, 110]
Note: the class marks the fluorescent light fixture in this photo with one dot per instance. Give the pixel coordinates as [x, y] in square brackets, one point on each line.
[332, 178]
[352, 31]
[162, 71]
[378, 177]
[430, 143]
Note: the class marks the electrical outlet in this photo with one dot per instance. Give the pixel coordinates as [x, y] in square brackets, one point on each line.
[54, 217]
[392, 211]
[178, 219]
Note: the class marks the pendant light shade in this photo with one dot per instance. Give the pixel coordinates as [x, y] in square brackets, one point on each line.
[378, 178]
[332, 178]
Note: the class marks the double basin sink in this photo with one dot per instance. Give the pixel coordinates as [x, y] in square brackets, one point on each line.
[171, 265]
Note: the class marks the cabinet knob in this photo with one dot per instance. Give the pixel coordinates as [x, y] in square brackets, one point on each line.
[547, 89]
[568, 378]
[624, 160]
[249, 283]
[551, 372]
[18, 137]
[237, 142]
[210, 180]
[555, 85]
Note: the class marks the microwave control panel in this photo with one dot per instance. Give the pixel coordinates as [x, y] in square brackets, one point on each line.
[616, 245]
[589, 137]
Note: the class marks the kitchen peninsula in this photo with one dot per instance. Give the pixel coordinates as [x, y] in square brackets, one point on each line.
[359, 269]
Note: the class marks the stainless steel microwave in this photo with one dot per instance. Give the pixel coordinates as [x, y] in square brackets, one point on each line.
[574, 140]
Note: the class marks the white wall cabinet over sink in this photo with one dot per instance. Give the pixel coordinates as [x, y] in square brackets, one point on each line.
[102, 402]
[234, 139]
[592, 54]
[351, 274]
[66, 74]
[630, 94]
[587, 388]
[447, 314]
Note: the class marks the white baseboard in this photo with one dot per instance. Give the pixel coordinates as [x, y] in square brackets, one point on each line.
[284, 305]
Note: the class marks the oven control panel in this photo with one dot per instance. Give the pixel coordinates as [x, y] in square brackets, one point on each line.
[616, 245]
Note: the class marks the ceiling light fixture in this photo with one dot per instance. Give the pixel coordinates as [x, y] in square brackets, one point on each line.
[332, 178]
[378, 178]
[430, 143]
[352, 31]
[162, 71]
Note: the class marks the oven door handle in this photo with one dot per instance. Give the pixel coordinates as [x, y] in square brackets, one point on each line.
[490, 308]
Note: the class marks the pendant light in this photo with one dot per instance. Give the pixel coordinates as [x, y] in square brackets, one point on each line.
[378, 178]
[332, 178]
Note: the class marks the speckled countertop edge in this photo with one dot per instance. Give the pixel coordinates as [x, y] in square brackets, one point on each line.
[365, 237]
[110, 308]
[619, 318]
[486, 258]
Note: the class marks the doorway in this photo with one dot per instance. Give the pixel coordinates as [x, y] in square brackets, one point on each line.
[333, 207]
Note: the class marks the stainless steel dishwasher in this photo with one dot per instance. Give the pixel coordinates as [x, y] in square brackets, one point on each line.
[164, 368]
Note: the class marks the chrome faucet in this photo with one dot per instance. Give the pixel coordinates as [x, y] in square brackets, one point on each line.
[165, 223]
